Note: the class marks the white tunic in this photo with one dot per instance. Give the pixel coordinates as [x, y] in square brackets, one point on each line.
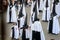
[13, 14]
[44, 11]
[58, 9]
[37, 27]
[16, 32]
[56, 26]
[21, 25]
[44, 14]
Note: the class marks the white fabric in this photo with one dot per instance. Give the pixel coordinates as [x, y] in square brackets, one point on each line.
[24, 12]
[28, 33]
[19, 7]
[32, 6]
[44, 14]
[16, 32]
[58, 9]
[37, 27]
[37, 9]
[56, 28]
[13, 14]
[7, 14]
[14, 17]
[22, 20]
[41, 5]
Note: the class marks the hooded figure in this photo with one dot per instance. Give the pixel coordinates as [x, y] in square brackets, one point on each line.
[46, 11]
[15, 31]
[22, 18]
[37, 31]
[11, 13]
[53, 26]
[33, 12]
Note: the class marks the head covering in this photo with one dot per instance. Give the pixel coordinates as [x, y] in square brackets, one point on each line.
[34, 7]
[35, 17]
[21, 10]
[46, 3]
[20, 13]
[53, 11]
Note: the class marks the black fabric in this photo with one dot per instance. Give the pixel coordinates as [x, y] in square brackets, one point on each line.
[53, 11]
[32, 18]
[10, 2]
[12, 32]
[20, 13]
[10, 12]
[27, 38]
[18, 23]
[51, 25]
[34, 8]
[36, 35]
[38, 3]
[23, 35]
[35, 17]
[46, 15]
[47, 3]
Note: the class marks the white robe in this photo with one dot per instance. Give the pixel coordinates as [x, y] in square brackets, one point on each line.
[58, 9]
[44, 11]
[44, 14]
[21, 25]
[37, 27]
[32, 16]
[56, 26]
[16, 32]
[13, 14]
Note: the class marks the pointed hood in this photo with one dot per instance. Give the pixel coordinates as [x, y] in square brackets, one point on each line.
[34, 7]
[36, 12]
[53, 10]
[46, 3]
[22, 10]
[20, 13]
